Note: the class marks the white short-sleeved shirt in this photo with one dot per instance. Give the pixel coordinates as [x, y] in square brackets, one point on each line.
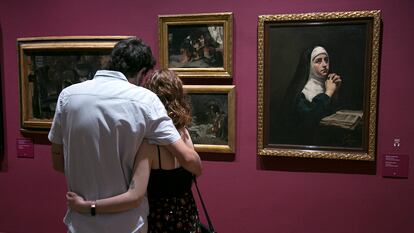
[101, 124]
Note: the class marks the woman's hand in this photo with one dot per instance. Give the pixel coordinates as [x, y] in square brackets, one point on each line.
[77, 203]
[332, 84]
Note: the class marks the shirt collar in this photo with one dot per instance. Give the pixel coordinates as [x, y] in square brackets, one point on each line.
[110, 74]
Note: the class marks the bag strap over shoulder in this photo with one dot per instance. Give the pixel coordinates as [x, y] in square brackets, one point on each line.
[210, 225]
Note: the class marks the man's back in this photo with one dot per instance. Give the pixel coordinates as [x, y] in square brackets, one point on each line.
[101, 124]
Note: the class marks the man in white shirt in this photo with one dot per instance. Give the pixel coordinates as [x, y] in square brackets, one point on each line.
[97, 129]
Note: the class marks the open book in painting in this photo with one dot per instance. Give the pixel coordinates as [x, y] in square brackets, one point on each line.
[347, 119]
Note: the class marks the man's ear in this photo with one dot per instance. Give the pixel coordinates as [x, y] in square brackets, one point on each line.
[141, 75]
[136, 78]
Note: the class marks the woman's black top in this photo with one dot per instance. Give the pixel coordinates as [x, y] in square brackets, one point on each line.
[171, 202]
[169, 183]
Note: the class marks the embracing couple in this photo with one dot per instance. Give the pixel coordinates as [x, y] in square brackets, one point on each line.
[116, 142]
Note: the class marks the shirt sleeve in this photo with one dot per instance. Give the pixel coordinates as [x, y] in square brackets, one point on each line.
[160, 128]
[55, 133]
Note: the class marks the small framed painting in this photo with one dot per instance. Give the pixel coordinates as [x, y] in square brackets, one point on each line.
[213, 117]
[197, 45]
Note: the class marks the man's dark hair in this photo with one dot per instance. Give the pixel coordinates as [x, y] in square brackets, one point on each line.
[131, 55]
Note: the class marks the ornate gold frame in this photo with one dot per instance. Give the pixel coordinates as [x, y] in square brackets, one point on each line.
[225, 19]
[367, 151]
[65, 44]
[230, 90]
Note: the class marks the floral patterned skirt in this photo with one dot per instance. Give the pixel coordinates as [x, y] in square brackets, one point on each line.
[173, 214]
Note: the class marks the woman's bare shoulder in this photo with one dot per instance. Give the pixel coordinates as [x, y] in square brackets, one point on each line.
[147, 149]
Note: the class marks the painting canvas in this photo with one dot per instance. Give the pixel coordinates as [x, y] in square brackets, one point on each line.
[317, 84]
[212, 127]
[196, 46]
[47, 65]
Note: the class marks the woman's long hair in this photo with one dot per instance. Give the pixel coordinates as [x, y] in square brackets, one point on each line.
[169, 89]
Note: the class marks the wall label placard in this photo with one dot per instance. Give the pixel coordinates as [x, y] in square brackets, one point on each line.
[25, 148]
[395, 165]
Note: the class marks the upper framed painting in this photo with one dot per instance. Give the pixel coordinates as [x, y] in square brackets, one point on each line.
[197, 45]
[49, 64]
[317, 84]
[213, 117]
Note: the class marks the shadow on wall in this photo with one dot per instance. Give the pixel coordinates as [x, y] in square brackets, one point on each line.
[2, 126]
[222, 157]
[316, 165]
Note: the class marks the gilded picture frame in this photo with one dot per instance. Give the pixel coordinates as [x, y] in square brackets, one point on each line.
[197, 45]
[213, 117]
[303, 115]
[49, 64]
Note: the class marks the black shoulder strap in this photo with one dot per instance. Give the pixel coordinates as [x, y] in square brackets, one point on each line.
[159, 156]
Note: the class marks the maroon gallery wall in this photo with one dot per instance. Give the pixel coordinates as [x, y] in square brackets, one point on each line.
[244, 193]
